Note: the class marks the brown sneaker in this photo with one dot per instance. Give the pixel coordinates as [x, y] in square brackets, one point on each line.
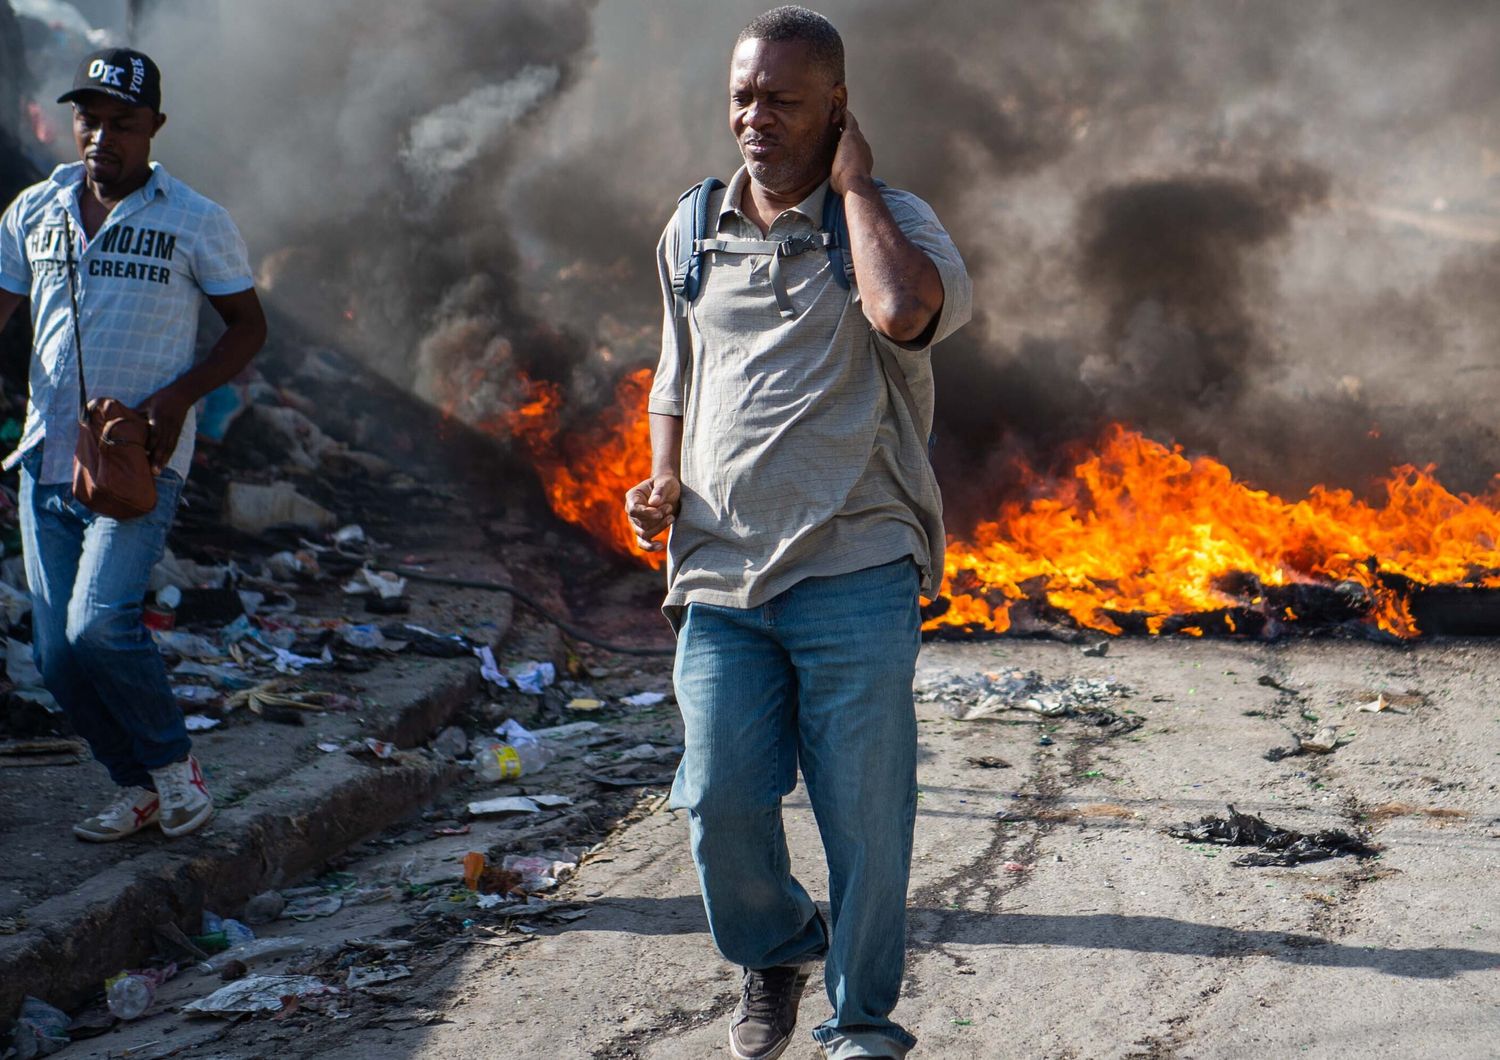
[767, 1013]
[131, 810]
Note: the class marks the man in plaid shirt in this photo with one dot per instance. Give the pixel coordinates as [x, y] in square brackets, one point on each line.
[140, 249]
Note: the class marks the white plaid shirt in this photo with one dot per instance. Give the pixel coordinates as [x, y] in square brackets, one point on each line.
[140, 282]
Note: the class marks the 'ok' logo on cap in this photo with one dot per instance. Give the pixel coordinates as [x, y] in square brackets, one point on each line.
[101, 71]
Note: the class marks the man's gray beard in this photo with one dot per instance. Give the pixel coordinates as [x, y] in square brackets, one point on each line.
[792, 174]
[788, 176]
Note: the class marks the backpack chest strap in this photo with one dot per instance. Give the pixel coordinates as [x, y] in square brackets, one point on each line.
[775, 250]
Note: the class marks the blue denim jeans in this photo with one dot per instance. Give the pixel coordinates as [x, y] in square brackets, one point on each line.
[821, 677]
[88, 576]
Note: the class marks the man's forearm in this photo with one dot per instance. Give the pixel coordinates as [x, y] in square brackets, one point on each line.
[666, 445]
[898, 283]
[229, 357]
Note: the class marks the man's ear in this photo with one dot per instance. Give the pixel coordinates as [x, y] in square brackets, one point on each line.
[840, 101]
[161, 119]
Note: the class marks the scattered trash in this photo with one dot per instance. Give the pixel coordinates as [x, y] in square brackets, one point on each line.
[1045, 741]
[235, 933]
[520, 754]
[328, 747]
[538, 873]
[485, 879]
[644, 699]
[249, 953]
[191, 646]
[426, 642]
[517, 804]
[1016, 866]
[969, 697]
[292, 566]
[1277, 846]
[364, 637]
[584, 705]
[311, 907]
[255, 509]
[533, 676]
[566, 732]
[351, 537]
[361, 977]
[200, 722]
[379, 748]
[1097, 650]
[41, 1030]
[1376, 705]
[130, 994]
[489, 670]
[258, 993]
[1323, 742]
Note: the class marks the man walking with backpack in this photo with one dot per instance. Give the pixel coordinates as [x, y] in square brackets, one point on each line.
[114, 257]
[789, 420]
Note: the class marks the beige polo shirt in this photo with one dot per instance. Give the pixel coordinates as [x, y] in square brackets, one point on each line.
[800, 457]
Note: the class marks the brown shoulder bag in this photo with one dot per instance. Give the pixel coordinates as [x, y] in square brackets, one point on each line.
[111, 463]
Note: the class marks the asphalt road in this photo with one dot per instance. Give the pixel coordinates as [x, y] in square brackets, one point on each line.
[1050, 914]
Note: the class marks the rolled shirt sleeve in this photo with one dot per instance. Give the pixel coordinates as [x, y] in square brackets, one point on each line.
[667, 385]
[15, 269]
[221, 263]
[921, 226]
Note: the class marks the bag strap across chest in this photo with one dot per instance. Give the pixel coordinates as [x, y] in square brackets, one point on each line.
[695, 239]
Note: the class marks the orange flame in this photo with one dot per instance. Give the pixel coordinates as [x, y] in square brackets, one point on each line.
[585, 474]
[1141, 528]
[1138, 527]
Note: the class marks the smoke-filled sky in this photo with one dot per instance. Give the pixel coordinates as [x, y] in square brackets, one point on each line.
[1267, 230]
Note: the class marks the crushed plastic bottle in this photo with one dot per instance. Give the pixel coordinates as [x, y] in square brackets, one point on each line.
[519, 753]
[130, 994]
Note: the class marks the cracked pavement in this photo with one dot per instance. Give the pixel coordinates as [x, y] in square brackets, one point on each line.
[1050, 916]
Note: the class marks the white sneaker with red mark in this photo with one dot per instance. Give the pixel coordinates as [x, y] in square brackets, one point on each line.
[131, 810]
[186, 804]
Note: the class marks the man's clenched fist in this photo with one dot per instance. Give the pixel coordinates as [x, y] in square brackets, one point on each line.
[652, 507]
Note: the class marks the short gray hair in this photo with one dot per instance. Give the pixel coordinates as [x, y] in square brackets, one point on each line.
[793, 23]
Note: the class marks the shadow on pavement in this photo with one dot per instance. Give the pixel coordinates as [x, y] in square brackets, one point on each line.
[683, 915]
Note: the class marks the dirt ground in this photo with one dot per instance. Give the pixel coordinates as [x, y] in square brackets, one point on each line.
[1050, 916]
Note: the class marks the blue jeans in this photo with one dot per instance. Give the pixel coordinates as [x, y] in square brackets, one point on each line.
[821, 677]
[88, 576]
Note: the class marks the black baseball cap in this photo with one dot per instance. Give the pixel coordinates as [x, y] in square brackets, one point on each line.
[124, 73]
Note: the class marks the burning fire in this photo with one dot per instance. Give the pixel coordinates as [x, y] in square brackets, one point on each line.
[1140, 528]
[1139, 531]
[586, 473]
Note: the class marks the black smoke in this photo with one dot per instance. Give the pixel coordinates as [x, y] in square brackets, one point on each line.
[1262, 229]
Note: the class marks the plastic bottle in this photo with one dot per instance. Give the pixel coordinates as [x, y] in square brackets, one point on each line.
[237, 933]
[518, 754]
[131, 993]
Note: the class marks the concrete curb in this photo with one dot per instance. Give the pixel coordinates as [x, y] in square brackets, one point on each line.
[76, 940]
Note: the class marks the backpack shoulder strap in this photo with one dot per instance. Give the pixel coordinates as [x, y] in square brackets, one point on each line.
[692, 226]
[838, 239]
[837, 229]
